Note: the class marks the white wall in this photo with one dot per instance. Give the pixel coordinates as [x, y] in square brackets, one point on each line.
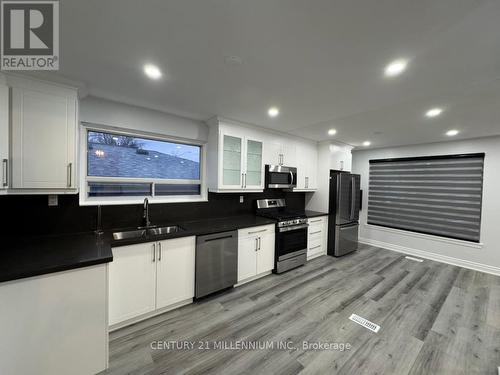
[105, 112]
[331, 155]
[485, 257]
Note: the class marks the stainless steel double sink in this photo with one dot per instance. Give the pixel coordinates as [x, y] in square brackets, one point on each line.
[146, 232]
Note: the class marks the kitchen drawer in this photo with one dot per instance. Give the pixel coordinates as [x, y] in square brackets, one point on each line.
[315, 246]
[317, 232]
[317, 221]
[255, 231]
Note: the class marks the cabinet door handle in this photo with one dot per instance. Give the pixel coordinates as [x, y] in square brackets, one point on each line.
[258, 231]
[70, 167]
[154, 252]
[316, 232]
[245, 184]
[159, 251]
[5, 172]
[256, 244]
[315, 247]
[307, 182]
[260, 241]
[315, 221]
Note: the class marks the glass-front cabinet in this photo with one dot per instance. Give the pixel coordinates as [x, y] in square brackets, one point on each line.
[254, 167]
[232, 175]
[240, 162]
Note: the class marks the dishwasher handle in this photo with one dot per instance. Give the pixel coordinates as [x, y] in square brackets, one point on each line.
[216, 237]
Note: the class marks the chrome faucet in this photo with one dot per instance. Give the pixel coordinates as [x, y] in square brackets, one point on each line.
[145, 214]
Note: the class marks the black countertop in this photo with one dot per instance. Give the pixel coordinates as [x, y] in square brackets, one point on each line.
[33, 256]
[199, 228]
[311, 214]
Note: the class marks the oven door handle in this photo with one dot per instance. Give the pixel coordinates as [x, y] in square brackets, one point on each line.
[295, 227]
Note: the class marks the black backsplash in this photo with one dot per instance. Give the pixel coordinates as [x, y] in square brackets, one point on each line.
[31, 214]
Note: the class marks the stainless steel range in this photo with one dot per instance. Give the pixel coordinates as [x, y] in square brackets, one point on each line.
[291, 233]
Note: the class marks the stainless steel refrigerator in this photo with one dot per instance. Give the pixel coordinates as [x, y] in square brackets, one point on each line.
[343, 219]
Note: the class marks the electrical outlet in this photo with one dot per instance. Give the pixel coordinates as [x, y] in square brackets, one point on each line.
[242, 199]
[53, 201]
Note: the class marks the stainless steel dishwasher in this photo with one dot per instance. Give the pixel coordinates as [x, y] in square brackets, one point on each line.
[216, 262]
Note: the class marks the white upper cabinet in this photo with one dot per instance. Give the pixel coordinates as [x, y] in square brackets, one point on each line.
[307, 167]
[254, 171]
[4, 136]
[235, 160]
[280, 153]
[237, 155]
[231, 160]
[44, 131]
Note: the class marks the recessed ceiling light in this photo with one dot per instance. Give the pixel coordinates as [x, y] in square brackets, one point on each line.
[273, 112]
[233, 60]
[152, 71]
[366, 143]
[452, 133]
[433, 112]
[395, 68]
[332, 132]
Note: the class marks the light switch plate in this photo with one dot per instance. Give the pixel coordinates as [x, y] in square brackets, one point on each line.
[53, 200]
[242, 199]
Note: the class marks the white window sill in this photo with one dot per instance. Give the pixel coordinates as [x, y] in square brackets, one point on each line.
[431, 237]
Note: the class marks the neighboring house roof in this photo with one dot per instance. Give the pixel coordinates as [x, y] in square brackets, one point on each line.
[119, 161]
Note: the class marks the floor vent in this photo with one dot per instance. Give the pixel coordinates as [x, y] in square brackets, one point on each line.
[415, 259]
[365, 323]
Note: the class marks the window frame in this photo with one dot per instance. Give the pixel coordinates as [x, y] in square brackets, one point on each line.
[85, 200]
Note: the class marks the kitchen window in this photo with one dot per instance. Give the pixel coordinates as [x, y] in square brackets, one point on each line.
[122, 167]
[439, 195]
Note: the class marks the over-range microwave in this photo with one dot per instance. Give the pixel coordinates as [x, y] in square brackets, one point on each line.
[280, 177]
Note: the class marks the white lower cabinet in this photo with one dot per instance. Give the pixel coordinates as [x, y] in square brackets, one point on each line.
[317, 237]
[255, 252]
[175, 271]
[150, 276]
[132, 282]
[55, 323]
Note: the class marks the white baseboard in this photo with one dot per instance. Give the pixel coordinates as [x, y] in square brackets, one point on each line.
[313, 256]
[432, 256]
[142, 317]
[253, 278]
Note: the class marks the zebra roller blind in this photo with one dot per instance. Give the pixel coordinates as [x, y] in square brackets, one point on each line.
[438, 195]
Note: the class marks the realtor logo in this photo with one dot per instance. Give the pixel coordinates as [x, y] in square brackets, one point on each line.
[30, 35]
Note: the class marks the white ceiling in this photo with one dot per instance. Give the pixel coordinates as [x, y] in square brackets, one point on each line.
[320, 61]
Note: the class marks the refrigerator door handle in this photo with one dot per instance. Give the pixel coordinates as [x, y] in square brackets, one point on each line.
[353, 197]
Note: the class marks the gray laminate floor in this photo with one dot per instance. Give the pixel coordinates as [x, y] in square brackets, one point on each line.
[434, 318]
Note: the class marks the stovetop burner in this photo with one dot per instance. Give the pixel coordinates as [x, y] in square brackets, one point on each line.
[282, 214]
[276, 209]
